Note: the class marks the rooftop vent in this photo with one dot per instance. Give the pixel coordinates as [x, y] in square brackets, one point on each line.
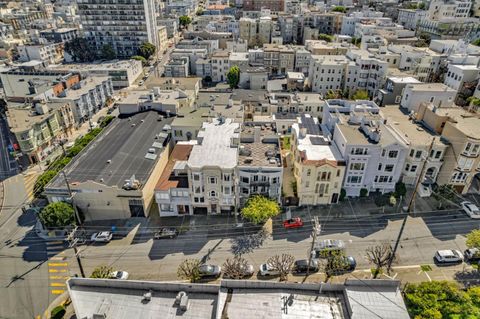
[248, 160]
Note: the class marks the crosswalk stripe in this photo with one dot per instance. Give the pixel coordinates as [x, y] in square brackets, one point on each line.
[57, 270]
[57, 258]
[57, 264]
[59, 277]
[57, 284]
[57, 291]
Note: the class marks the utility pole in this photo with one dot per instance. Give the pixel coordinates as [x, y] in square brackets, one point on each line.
[315, 232]
[77, 216]
[410, 205]
[73, 244]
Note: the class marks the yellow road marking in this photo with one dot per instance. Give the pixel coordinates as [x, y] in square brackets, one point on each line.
[57, 258]
[57, 291]
[59, 277]
[57, 264]
[57, 284]
[57, 270]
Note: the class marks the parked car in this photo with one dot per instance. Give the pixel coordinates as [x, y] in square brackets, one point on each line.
[123, 275]
[330, 245]
[301, 266]
[166, 233]
[294, 222]
[268, 270]
[350, 262]
[246, 271]
[102, 237]
[471, 209]
[448, 256]
[472, 255]
[210, 270]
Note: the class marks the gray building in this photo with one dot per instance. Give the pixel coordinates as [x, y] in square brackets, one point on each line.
[393, 90]
[177, 68]
[60, 35]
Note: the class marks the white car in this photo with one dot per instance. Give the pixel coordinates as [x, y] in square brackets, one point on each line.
[123, 275]
[448, 256]
[102, 237]
[471, 209]
[267, 270]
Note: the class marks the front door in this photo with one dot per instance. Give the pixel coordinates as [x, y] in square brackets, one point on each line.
[335, 198]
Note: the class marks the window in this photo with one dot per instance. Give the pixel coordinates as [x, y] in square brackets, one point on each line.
[393, 154]
[255, 178]
[407, 167]
[459, 177]
[418, 154]
[354, 179]
[165, 207]
[163, 196]
[274, 180]
[413, 168]
[226, 177]
[307, 184]
[309, 171]
[245, 190]
[383, 153]
[212, 180]
[263, 178]
[379, 166]
[338, 172]
[245, 180]
[438, 154]
[226, 190]
[357, 166]
[389, 167]
[198, 199]
[213, 194]
[412, 152]
[196, 177]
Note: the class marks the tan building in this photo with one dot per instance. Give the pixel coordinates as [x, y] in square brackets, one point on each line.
[461, 130]
[319, 167]
[115, 177]
[39, 129]
[279, 59]
[418, 139]
[162, 39]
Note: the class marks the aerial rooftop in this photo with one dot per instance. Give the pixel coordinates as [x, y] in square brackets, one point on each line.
[119, 152]
[216, 144]
[259, 146]
[168, 179]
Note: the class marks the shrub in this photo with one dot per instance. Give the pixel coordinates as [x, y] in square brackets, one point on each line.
[57, 214]
[58, 312]
[343, 194]
[400, 189]
[381, 200]
[363, 192]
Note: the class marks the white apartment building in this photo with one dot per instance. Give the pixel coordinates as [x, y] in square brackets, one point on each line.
[328, 72]
[373, 152]
[124, 26]
[349, 22]
[220, 65]
[444, 9]
[458, 75]
[49, 53]
[211, 167]
[409, 17]
[438, 94]
[370, 72]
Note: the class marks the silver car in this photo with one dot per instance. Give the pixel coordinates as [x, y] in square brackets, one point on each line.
[210, 270]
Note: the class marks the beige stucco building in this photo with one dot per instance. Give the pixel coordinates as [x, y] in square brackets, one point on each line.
[319, 167]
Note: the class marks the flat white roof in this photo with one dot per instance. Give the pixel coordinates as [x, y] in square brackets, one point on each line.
[215, 149]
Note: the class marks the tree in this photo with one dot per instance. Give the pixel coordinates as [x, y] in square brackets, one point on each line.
[233, 76]
[141, 59]
[339, 9]
[58, 312]
[476, 42]
[59, 214]
[360, 95]
[107, 52]
[400, 189]
[80, 50]
[473, 239]
[104, 272]
[331, 94]
[343, 194]
[259, 208]
[363, 192]
[444, 194]
[441, 299]
[146, 50]
[325, 37]
[283, 264]
[189, 269]
[421, 6]
[356, 41]
[334, 264]
[43, 180]
[235, 268]
[184, 20]
[379, 256]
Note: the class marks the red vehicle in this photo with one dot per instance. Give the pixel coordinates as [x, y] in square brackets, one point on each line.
[294, 222]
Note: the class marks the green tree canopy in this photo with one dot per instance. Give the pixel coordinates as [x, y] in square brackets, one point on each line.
[339, 9]
[233, 76]
[80, 50]
[140, 58]
[325, 37]
[476, 42]
[107, 52]
[331, 94]
[184, 20]
[334, 263]
[444, 194]
[189, 269]
[102, 272]
[400, 189]
[473, 239]
[147, 50]
[360, 95]
[441, 299]
[57, 214]
[259, 208]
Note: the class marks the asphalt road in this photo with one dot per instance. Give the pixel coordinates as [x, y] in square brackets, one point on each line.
[24, 287]
[144, 258]
[8, 165]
